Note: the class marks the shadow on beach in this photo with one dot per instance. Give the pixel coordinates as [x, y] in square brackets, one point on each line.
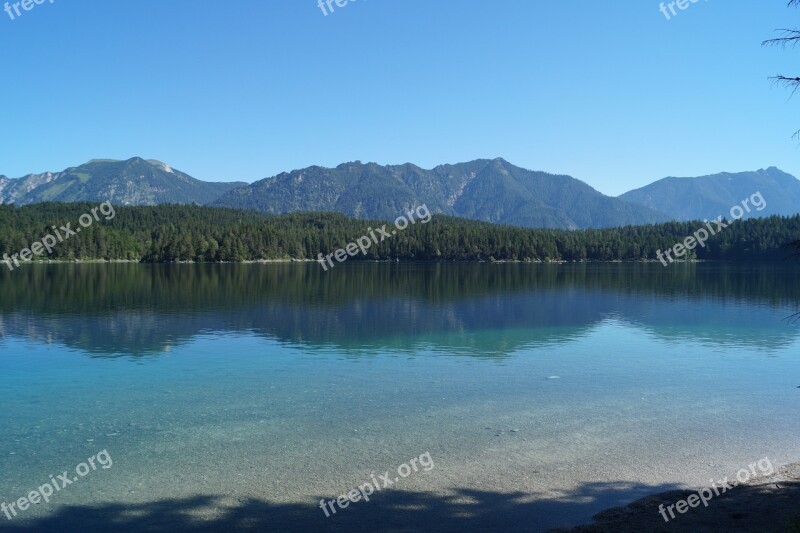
[771, 506]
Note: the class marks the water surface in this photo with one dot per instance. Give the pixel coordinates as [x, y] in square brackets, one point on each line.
[242, 394]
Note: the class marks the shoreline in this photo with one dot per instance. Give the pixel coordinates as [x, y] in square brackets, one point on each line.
[764, 504]
[383, 261]
[769, 504]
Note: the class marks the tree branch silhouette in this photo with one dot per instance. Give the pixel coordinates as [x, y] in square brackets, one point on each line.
[789, 38]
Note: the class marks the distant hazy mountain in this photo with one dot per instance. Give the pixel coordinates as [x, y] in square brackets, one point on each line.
[488, 190]
[711, 196]
[132, 182]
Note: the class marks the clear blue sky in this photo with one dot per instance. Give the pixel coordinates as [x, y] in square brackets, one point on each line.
[609, 92]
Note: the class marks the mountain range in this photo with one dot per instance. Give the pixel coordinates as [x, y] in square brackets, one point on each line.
[132, 182]
[711, 196]
[491, 190]
[487, 190]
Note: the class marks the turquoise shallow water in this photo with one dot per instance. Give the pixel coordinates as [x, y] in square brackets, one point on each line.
[239, 395]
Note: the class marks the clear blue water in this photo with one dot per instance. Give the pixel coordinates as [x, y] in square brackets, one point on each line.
[240, 395]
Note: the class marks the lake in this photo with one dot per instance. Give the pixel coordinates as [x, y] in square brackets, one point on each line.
[528, 396]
